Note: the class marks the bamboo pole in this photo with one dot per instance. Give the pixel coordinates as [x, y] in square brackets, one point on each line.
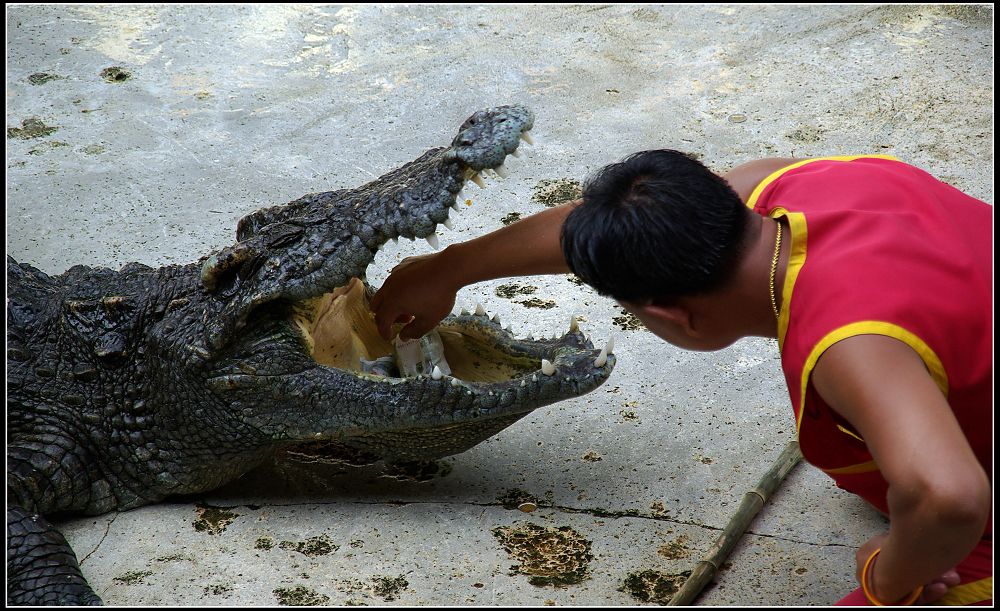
[753, 502]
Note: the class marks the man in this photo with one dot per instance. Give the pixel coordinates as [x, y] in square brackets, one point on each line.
[876, 280]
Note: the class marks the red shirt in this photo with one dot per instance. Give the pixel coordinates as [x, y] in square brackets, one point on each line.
[881, 247]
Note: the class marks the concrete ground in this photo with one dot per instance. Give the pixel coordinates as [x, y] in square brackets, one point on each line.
[139, 133]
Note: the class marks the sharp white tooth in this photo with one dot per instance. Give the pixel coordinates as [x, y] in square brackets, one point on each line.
[464, 312]
[447, 223]
[496, 318]
[476, 178]
[534, 378]
[527, 138]
[436, 374]
[548, 368]
[611, 345]
[501, 171]
[507, 328]
[479, 309]
[395, 240]
[601, 359]
[573, 326]
[523, 383]
[432, 239]
[454, 205]
[517, 153]
[454, 382]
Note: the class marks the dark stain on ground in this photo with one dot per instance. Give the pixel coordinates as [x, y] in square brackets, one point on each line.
[509, 291]
[218, 589]
[513, 217]
[653, 586]
[47, 146]
[389, 587]
[676, 549]
[264, 543]
[628, 321]
[213, 520]
[534, 302]
[300, 596]
[115, 74]
[806, 133]
[549, 556]
[417, 470]
[30, 128]
[312, 547]
[132, 577]
[552, 193]
[329, 452]
[40, 78]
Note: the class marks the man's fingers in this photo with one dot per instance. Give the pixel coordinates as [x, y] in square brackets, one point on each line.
[385, 319]
[416, 329]
[950, 578]
[934, 591]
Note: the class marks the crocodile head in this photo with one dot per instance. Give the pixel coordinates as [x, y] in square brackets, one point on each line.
[294, 327]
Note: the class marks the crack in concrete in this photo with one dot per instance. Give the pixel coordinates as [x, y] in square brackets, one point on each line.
[596, 512]
[107, 529]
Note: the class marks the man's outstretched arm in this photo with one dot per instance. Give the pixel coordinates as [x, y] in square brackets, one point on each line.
[424, 287]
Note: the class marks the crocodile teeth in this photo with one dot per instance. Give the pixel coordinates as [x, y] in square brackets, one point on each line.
[432, 239]
[436, 374]
[517, 153]
[476, 178]
[574, 327]
[602, 358]
[395, 240]
[455, 382]
[527, 138]
[454, 205]
[501, 171]
[464, 312]
[496, 318]
[447, 223]
[479, 309]
[548, 368]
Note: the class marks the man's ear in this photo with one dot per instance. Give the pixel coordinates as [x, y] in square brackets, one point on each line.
[672, 313]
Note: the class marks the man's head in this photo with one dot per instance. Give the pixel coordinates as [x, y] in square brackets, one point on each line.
[657, 231]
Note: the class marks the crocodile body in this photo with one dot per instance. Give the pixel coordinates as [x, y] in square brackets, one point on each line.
[125, 387]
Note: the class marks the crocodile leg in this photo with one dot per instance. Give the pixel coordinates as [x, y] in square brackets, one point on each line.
[41, 567]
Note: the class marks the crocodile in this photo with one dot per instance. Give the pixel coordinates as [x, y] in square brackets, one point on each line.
[126, 387]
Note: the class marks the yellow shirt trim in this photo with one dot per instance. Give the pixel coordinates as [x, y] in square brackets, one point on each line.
[872, 327]
[968, 593]
[865, 467]
[869, 327]
[752, 200]
[796, 259]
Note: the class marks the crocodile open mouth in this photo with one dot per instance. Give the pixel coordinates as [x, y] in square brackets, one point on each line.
[340, 332]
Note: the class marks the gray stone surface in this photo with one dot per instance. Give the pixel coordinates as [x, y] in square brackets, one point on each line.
[231, 108]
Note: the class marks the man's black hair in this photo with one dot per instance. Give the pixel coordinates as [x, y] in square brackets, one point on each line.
[658, 225]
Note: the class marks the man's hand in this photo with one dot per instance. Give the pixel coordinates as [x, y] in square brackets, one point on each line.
[933, 591]
[417, 292]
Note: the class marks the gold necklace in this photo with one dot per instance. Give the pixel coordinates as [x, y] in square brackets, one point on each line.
[774, 268]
